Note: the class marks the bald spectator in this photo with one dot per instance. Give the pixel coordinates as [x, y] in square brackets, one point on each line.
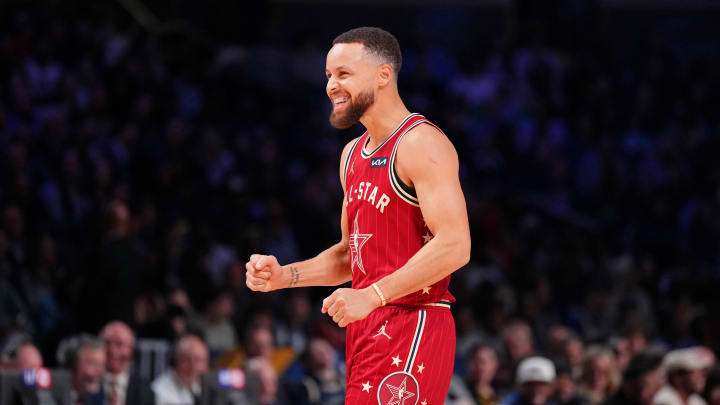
[322, 384]
[122, 385]
[25, 355]
[181, 384]
[687, 371]
[86, 361]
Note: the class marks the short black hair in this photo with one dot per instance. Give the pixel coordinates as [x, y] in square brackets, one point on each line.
[377, 41]
[641, 364]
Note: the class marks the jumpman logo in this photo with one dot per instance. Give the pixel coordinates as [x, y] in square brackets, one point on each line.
[382, 332]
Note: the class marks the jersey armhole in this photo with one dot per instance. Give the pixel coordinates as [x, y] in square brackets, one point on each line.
[405, 187]
[348, 157]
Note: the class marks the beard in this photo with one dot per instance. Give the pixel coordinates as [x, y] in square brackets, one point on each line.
[353, 112]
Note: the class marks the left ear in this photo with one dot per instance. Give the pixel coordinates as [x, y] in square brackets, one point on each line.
[384, 75]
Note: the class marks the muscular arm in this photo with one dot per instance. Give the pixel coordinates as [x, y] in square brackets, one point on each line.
[428, 160]
[331, 267]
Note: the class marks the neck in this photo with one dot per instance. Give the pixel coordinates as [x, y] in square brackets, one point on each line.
[186, 381]
[684, 394]
[384, 116]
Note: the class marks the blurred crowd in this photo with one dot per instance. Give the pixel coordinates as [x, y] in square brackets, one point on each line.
[138, 172]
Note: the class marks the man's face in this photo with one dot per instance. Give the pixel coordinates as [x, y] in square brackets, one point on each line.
[694, 381]
[649, 384]
[192, 363]
[484, 365]
[537, 392]
[119, 345]
[261, 343]
[90, 369]
[351, 74]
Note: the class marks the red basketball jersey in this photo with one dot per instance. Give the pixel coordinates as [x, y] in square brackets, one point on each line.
[384, 219]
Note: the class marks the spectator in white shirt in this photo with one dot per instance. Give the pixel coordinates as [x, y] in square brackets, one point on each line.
[180, 385]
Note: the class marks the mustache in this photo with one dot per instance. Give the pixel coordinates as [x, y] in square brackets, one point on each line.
[355, 110]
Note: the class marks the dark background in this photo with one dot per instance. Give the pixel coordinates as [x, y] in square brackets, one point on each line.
[588, 136]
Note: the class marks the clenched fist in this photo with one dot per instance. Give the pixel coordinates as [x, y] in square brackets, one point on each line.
[347, 305]
[264, 274]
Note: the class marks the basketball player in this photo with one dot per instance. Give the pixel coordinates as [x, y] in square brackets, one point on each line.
[404, 231]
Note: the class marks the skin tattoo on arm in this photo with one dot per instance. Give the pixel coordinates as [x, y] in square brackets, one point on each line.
[294, 276]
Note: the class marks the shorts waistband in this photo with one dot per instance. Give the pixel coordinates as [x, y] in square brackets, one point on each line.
[441, 304]
[444, 304]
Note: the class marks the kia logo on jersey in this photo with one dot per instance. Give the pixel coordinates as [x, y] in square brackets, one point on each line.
[378, 162]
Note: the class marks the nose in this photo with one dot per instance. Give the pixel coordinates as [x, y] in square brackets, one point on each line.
[331, 86]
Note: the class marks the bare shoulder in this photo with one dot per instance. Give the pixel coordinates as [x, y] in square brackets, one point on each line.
[425, 147]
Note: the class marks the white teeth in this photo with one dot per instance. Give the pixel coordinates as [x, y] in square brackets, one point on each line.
[340, 100]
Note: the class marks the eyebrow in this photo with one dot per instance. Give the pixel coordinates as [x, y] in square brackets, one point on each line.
[341, 67]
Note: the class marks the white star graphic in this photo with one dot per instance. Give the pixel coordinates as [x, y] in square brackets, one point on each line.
[366, 386]
[426, 290]
[396, 361]
[357, 240]
[427, 237]
[399, 394]
[424, 402]
[421, 368]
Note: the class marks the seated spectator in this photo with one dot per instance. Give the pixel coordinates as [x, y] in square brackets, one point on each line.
[86, 360]
[712, 387]
[535, 379]
[600, 377]
[218, 330]
[518, 341]
[477, 388]
[121, 383]
[686, 377]
[573, 350]
[566, 392]
[21, 356]
[263, 387]
[180, 385]
[322, 384]
[642, 379]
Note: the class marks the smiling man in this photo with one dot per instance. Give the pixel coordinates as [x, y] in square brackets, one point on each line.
[404, 231]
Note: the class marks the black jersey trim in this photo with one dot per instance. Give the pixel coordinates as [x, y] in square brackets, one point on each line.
[407, 194]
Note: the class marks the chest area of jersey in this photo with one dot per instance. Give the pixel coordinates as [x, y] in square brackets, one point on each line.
[368, 185]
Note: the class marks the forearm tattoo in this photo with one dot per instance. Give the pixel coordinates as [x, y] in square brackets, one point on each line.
[294, 276]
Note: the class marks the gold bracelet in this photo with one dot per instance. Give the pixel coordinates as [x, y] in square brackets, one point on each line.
[380, 294]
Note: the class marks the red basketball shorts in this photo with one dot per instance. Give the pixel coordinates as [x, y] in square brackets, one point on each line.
[401, 355]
